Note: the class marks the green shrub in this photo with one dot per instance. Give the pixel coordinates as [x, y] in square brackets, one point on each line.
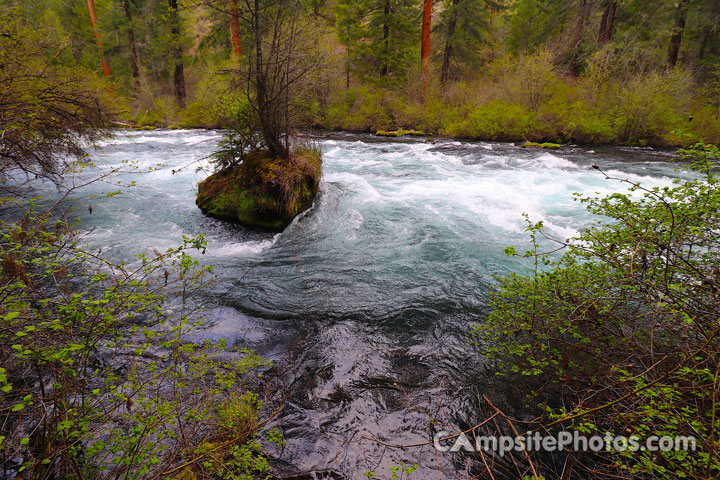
[495, 121]
[96, 381]
[359, 109]
[621, 334]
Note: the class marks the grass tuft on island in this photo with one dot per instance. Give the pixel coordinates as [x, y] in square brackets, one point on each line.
[262, 191]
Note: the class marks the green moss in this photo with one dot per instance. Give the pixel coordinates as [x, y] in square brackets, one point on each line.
[399, 133]
[550, 146]
[263, 192]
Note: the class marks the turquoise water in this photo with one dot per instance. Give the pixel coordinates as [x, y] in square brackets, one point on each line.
[364, 301]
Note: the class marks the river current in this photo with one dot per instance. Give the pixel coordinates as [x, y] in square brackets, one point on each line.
[364, 302]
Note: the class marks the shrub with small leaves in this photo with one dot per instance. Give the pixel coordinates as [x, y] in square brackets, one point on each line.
[621, 334]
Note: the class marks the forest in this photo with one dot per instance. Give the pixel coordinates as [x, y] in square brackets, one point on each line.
[348, 239]
[631, 72]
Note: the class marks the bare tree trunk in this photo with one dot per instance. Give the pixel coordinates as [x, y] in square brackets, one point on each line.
[386, 39]
[93, 19]
[134, 64]
[678, 30]
[234, 28]
[607, 23]
[579, 30]
[448, 53]
[425, 44]
[179, 73]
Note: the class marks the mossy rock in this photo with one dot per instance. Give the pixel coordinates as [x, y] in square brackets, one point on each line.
[549, 146]
[400, 133]
[262, 191]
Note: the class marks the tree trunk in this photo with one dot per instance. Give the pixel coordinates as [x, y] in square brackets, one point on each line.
[234, 28]
[579, 30]
[710, 31]
[448, 53]
[179, 73]
[93, 19]
[425, 45]
[347, 71]
[269, 123]
[134, 64]
[678, 29]
[607, 23]
[386, 39]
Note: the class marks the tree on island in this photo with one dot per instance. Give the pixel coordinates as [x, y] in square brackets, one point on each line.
[262, 179]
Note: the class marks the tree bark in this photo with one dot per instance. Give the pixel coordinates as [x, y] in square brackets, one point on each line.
[93, 19]
[347, 71]
[179, 73]
[425, 44]
[386, 39]
[579, 30]
[268, 116]
[448, 52]
[134, 64]
[234, 28]
[607, 23]
[678, 30]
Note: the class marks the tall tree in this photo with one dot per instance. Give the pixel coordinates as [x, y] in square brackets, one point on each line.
[232, 9]
[465, 25]
[349, 16]
[578, 37]
[607, 23]
[449, 38]
[711, 29]
[177, 52]
[391, 28]
[385, 39]
[282, 60]
[132, 47]
[425, 44]
[93, 19]
[678, 30]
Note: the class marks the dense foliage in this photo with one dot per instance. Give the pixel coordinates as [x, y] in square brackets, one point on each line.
[612, 71]
[620, 334]
[96, 379]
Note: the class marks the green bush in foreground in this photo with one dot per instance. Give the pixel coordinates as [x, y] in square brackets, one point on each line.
[621, 334]
[96, 381]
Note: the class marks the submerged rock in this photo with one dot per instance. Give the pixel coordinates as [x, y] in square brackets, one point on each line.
[262, 191]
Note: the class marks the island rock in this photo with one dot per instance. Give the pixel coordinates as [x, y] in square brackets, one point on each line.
[262, 191]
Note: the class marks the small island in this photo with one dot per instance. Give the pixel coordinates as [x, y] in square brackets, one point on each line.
[263, 176]
[263, 191]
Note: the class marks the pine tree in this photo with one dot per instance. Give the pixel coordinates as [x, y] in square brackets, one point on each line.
[678, 30]
[464, 26]
[425, 44]
[349, 28]
[177, 53]
[607, 22]
[132, 47]
[98, 38]
[232, 9]
[391, 28]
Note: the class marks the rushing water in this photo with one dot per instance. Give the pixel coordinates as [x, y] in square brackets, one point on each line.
[364, 302]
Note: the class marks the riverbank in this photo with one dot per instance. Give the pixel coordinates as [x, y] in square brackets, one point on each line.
[523, 102]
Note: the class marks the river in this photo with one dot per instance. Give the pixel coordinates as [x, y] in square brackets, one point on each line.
[364, 302]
